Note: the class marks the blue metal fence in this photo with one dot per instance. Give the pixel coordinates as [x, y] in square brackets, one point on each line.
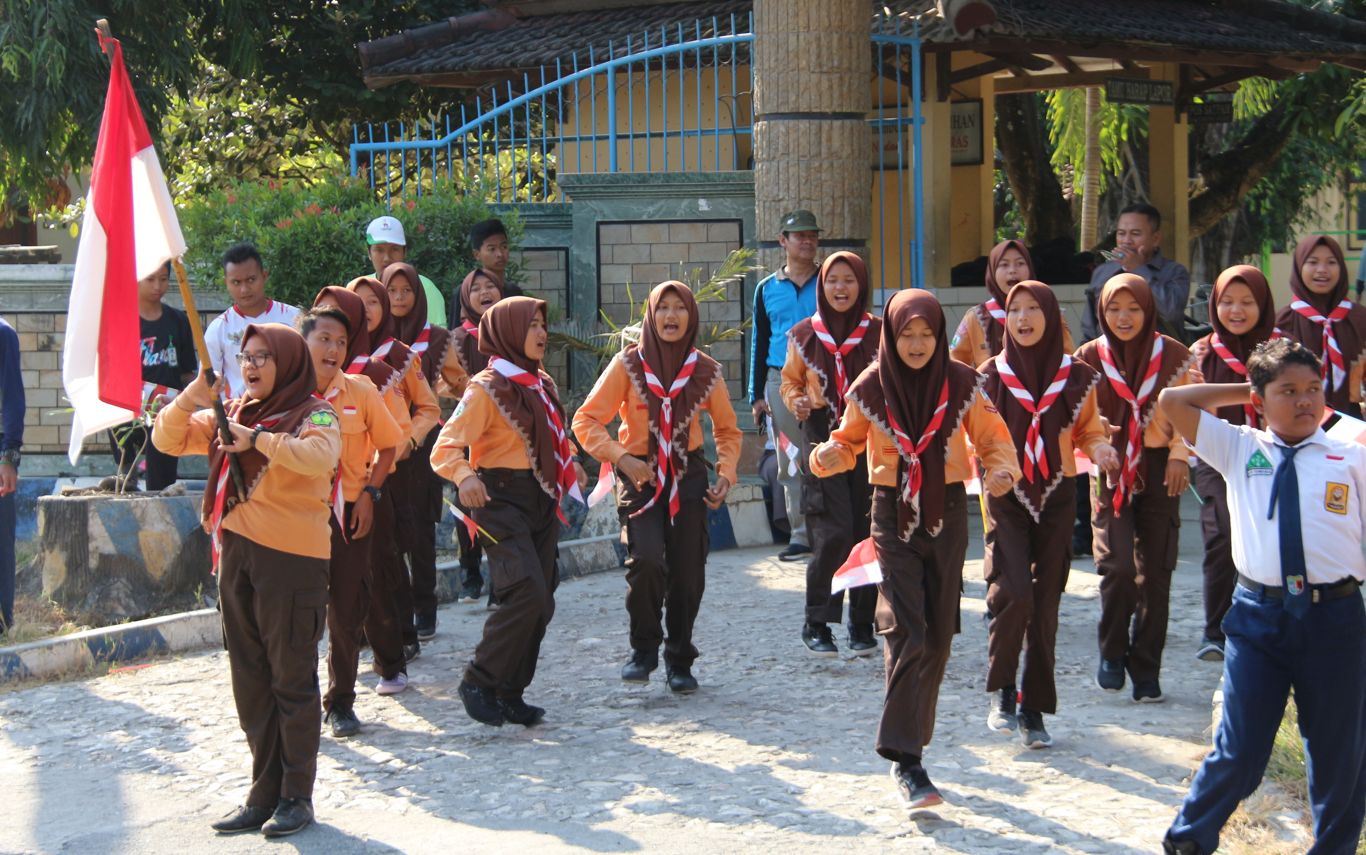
[658, 115]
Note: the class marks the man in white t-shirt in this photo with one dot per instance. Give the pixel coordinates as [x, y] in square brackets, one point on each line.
[1298, 520]
[245, 277]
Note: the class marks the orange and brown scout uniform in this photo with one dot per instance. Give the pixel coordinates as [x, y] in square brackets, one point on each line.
[821, 364]
[1026, 562]
[273, 564]
[502, 431]
[665, 523]
[1305, 319]
[921, 535]
[981, 332]
[1134, 522]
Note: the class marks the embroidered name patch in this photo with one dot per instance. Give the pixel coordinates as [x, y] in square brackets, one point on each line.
[1257, 464]
[1335, 498]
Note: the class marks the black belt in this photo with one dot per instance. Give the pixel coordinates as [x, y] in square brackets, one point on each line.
[496, 472]
[1317, 593]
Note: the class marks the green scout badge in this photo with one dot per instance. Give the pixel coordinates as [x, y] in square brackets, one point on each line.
[1257, 464]
[322, 418]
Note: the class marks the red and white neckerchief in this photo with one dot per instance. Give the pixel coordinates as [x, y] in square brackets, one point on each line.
[1332, 354]
[994, 309]
[419, 345]
[1134, 447]
[1035, 455]
[564, 452]
[1217, 345]
[664, 431]
[472, 329]
[910, 491]
[357, 364]
[338, 498]
[839, 351]
[383, 350]
[220, 497]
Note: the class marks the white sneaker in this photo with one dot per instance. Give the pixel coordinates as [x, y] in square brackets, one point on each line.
[392, 687]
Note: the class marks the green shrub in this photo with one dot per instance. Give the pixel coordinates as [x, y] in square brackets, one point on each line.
[314, 235]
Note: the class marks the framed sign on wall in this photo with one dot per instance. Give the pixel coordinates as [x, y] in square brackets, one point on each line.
[966, 132]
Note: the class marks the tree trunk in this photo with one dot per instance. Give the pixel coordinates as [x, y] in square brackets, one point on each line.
[1090, 188]
[1022, 138]
[1232, 173]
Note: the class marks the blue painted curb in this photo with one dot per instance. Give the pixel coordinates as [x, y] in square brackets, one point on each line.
[110, 645]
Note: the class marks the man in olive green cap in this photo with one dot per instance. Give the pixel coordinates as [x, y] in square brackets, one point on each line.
[780, 301]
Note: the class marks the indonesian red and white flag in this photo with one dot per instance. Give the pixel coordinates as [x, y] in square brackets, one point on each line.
[129, 230]
[860, 568]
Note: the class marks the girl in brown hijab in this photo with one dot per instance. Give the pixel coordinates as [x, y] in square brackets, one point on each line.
[1242, 313]
[272, 547]
[507, 451]
[659, 388]
[1048, 402]
[1322, 318]
[825, 353]
[914, 409]
[480, 290]
[981, 332]
[417, 490]
[1136, 513]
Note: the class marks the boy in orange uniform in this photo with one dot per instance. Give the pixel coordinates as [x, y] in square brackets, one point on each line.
[658, 388]
[520, 463]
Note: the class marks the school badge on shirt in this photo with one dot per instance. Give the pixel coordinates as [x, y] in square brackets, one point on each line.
[1335, 498]
[322, 419]
[1257, 464]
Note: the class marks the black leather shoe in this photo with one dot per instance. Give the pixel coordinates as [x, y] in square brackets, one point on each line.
[520, 712]
[637, 669]
[291, 815]
[480, 704]
[343, 721]
[794, 552]
[245, 818]
[411, 651]
[1180, 847]
[426, 628]
[681, 680]
[861, 639]
[819, 640]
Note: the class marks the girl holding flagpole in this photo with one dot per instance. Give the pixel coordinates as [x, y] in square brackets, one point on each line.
[372, 428]
[1048, 401]
[1242, 312]
[272, 548]
[1136, 514]
[659, 388]
[914, 409]
[508, 452]
[1322, 318]
[396, 371]
[480, 290]
[824, 354]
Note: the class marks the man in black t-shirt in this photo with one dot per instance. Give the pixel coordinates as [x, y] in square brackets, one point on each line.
[168, 365]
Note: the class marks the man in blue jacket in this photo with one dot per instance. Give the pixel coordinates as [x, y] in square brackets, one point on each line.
[11, 438]
[780, 301]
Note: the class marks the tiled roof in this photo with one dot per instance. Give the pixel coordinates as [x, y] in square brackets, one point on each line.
[494, 41]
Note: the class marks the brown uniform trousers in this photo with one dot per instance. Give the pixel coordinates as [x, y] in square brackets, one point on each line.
[1026, 567]
[837, 517]
[917, 616]
[358, 608]
[666, 564]
[523, 575]
[1135, 556]
[1220, 574]
[385, 613]
[274, 609]
[417, 505]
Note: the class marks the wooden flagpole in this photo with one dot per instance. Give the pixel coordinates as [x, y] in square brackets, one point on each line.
[200, 346]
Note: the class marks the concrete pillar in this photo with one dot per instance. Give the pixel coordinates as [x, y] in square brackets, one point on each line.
[812, 145]
[1168, 170]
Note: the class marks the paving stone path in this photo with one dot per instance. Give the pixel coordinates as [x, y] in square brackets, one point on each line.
[774, 754]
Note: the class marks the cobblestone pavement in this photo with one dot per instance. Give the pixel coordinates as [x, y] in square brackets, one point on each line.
[773, 754]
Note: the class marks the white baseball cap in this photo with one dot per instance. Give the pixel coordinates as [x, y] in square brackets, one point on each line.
[385, 230]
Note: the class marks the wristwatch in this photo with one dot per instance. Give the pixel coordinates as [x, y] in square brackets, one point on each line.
[375, 492]
[256, 434]
[10, 456]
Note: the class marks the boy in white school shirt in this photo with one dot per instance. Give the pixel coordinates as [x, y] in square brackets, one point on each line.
[1298, 522]
[245, 276]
